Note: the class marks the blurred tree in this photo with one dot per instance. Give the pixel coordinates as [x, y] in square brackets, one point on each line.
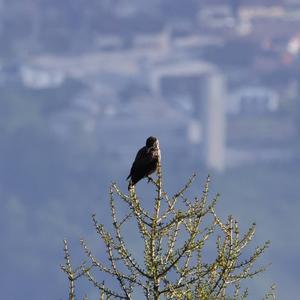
[234, 53]
[179, 260]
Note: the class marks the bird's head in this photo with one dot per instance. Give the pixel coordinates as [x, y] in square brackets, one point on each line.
[152, 143]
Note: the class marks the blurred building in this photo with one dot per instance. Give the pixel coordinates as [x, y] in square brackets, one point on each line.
[253, 100]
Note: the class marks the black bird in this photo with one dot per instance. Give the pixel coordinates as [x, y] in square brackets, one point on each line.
[146, 161]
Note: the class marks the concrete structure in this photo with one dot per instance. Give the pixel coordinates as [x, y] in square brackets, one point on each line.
[214, 120]
[198, 89]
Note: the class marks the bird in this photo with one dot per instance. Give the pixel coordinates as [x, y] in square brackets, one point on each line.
[146, 161]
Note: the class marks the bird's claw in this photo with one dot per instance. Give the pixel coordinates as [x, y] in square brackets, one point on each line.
[149, 179]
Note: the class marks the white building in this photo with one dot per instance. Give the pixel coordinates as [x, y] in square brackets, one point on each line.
[253, 100]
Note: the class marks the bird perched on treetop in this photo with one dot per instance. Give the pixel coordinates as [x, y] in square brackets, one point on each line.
[146, 161]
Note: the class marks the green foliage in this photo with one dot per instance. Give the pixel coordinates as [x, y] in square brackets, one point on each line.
[177, 235]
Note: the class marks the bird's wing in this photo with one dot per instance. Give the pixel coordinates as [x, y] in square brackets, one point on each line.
[138, 160]
[141, 153]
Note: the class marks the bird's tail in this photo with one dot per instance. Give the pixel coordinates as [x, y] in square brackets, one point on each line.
[128, 177]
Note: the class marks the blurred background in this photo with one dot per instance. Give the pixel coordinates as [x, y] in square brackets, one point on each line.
[83, 83]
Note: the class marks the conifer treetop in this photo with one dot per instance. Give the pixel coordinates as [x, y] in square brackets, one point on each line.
[188, 251]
